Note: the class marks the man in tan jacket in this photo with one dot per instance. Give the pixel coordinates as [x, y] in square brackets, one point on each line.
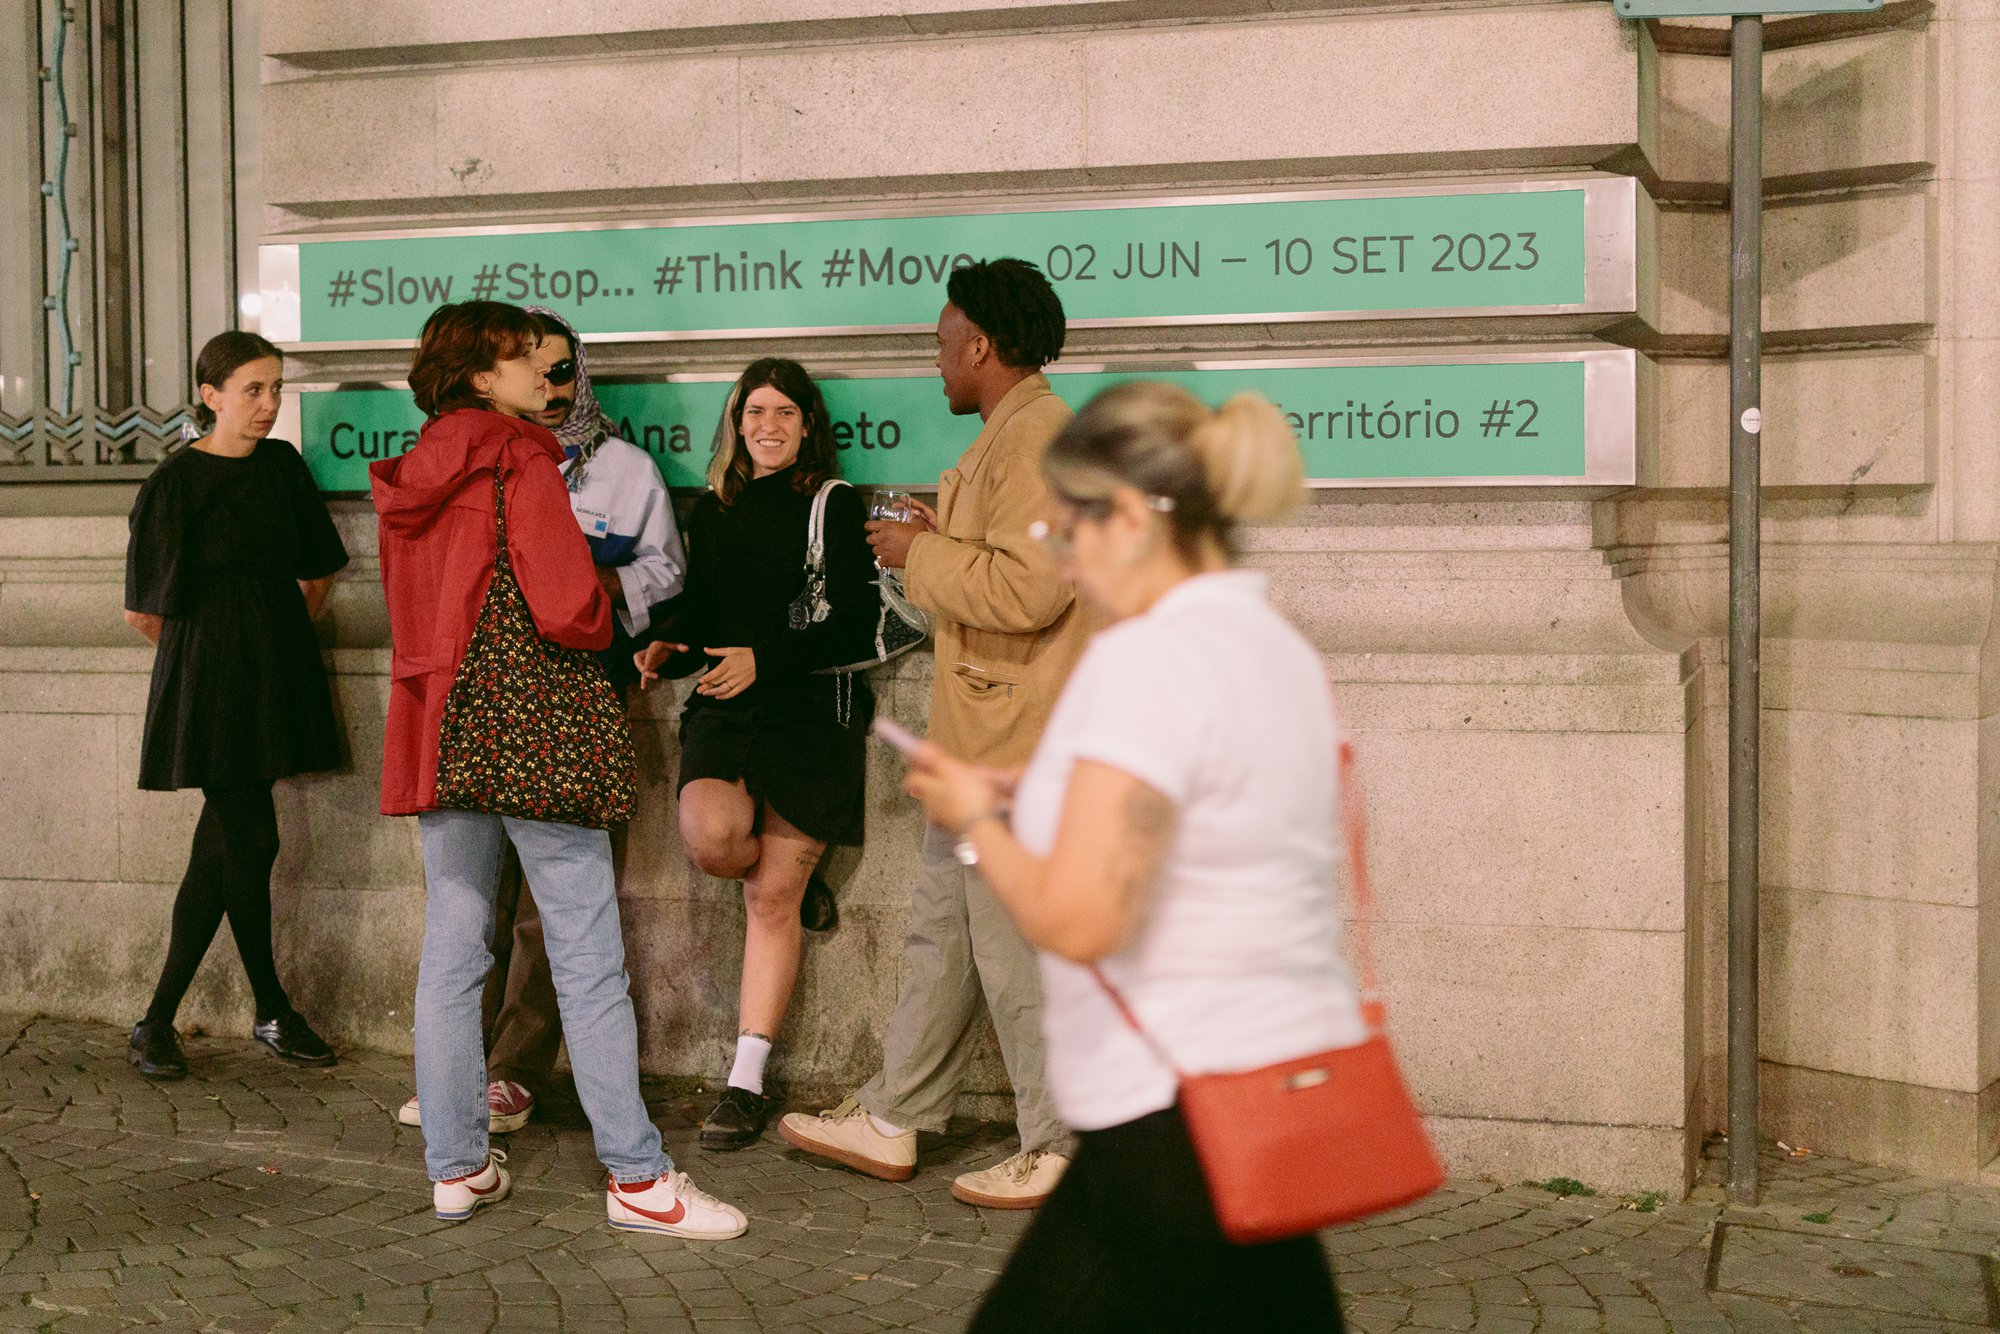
[1007, 631]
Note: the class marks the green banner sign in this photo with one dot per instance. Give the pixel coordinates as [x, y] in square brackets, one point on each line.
[1539, 247]
[1554, 419]
[1682, 9]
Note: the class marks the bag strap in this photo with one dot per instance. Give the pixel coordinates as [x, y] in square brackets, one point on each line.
[816, 527]
[1354, 822]
[1132, 1022]
[500, 561]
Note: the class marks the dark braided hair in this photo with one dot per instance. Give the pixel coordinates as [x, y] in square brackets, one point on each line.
[1012, 304]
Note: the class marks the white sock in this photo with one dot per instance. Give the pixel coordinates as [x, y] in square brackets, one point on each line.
[883, 1127]
[751, 1053]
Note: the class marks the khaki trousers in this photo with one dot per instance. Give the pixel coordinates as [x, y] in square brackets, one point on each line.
[962, 947]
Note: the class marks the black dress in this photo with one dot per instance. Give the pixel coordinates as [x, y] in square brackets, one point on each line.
[796, 739]
[239, 692]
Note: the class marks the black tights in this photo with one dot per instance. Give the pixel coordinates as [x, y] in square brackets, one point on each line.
[228, 873]
[1129, 1243]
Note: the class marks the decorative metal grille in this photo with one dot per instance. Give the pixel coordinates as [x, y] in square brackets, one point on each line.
[87, 446]
[118, 237]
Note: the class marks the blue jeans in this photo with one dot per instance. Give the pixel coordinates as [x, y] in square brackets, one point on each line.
[568, 870]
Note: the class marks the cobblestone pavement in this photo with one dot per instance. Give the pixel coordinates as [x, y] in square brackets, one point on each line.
[258, 1197]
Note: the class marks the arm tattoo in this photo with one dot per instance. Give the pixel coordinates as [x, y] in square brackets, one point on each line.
[1149, 817]
[1148, 820]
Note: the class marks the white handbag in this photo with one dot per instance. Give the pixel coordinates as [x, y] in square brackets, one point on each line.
[901, 626]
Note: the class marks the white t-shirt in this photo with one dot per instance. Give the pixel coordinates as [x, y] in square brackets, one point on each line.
[1215, 700]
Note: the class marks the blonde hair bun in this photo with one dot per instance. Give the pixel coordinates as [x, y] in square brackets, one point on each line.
[1252, 460]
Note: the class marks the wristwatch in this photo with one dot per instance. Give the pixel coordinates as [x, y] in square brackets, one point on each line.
[964, 849]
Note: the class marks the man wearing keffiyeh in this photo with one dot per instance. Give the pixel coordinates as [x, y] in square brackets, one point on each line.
[615, 492]
[573, 413]
[621, 503]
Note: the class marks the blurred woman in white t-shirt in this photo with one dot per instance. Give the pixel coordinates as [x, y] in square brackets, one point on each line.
[1176, 829]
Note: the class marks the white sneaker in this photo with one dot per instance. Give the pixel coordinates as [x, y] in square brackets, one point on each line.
[1020, 1182]
[674, 1205]
[457, 1198]
[508, 1107]
[848, 1137]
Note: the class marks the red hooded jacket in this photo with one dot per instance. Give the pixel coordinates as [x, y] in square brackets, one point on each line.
[435, 508]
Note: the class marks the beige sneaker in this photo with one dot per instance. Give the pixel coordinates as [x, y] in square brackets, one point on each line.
[1020, 1182]
[846, 1136]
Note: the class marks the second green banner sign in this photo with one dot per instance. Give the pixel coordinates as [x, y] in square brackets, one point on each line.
[1529, 419]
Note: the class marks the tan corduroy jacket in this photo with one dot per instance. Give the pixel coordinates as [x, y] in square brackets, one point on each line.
[1007, 625]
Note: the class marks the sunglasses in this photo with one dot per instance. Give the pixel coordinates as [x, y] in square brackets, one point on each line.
[562, 372]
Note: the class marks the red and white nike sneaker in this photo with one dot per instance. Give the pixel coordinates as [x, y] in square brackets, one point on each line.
[674, 1205]
[508, 1106]
[456, 1199]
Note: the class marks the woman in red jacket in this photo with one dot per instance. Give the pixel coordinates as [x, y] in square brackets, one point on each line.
[476, 375]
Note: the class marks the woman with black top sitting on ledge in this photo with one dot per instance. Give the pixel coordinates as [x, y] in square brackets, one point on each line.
[232, 555]
[772, 749]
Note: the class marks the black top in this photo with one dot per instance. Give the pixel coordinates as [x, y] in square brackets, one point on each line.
[746, 563]
[239, 691]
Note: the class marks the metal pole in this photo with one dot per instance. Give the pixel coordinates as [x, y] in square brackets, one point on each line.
[114, 211]
[1746, 341]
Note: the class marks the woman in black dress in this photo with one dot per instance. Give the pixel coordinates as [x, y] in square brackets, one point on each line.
[772, 749]
[231, 557]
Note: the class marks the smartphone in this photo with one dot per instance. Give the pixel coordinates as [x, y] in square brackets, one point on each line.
[897, 735]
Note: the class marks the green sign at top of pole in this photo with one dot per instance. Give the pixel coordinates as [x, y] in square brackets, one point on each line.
[1540, 247]
[1687, 9]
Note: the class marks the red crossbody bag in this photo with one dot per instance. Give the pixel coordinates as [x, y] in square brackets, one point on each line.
[1323, 1139]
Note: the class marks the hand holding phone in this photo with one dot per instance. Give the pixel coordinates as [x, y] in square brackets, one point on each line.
[897, 735]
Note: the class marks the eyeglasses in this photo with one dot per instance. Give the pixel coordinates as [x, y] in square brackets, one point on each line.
[1057, 536]
[562, 372]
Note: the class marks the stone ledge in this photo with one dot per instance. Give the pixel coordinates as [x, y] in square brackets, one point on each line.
[1856, 592]
[1500, 1020]
[1856, 419]
[309, 37]
[1861, 260]
[1902, 978]
[780, 122]
[349, 958]
[1826, 107]
[1940, 1132]
[1610, 1158]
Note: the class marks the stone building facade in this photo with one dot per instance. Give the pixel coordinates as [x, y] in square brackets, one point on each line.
[1536, 676]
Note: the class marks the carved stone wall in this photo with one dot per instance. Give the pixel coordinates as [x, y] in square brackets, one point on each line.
[1536, 678]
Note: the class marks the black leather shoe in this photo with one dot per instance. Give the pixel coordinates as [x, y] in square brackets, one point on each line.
[737, 1120]
[156, 1051]
[291, 1038]
[817, 910]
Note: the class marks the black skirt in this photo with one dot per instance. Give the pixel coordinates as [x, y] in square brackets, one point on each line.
[805, 752]
[239, 693]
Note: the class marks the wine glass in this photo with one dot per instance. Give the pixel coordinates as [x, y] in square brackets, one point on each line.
[892, 505]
